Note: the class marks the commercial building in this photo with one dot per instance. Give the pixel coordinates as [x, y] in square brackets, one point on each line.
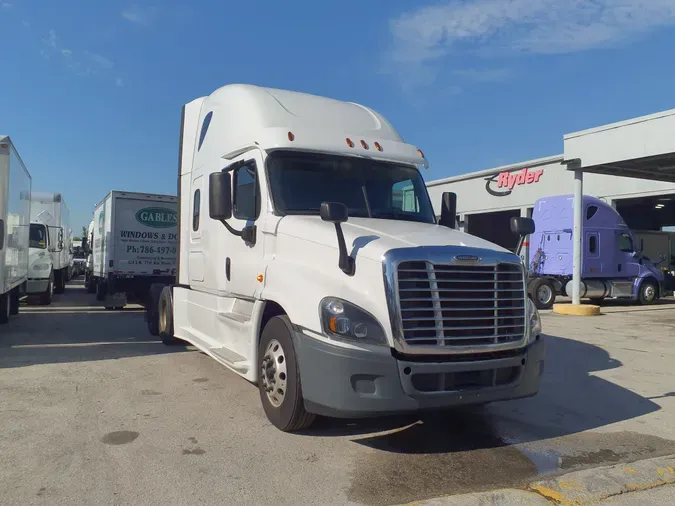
[630, 165]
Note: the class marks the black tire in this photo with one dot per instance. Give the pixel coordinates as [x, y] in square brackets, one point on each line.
[542, 292]
[4, 307]
[91, 285]
[59, 282]
[290, 415]
[597, 300]
[649, 292]
[101, 289]
[14, 302]
[165, 317]
[152, 308]
[46, 296]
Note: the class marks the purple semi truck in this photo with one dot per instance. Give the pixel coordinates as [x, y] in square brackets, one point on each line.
[611, 266]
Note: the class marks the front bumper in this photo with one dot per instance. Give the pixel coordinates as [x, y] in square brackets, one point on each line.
[349, 383]
[37, 285]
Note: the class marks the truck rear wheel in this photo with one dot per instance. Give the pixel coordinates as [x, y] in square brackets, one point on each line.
[4, 307]
[59, 281]
[543, 293]
[101, 289]
[91, 285]
[165, 317]
[279, 383]
[14, 302]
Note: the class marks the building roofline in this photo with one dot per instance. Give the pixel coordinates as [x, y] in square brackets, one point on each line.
[496, 170]
[619, 124]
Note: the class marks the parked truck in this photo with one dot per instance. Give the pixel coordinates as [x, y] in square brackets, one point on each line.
[89, 281]
[50, 246]
[134, 246]
[303, 270]
[15, 188]
[612, 264]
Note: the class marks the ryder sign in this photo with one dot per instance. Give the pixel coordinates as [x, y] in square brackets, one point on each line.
[502, 184]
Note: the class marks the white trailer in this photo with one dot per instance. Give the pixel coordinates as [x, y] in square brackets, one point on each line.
[15, 188]
[302, 269]
[134, 245]
[51, 245]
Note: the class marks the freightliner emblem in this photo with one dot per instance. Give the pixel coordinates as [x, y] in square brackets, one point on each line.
[467, 258]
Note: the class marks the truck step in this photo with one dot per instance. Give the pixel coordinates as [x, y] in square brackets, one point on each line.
[237, 317]
[231, 358]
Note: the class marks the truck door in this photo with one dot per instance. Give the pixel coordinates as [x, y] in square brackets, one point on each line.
[627, 263]
[244, 259]
[592, 260]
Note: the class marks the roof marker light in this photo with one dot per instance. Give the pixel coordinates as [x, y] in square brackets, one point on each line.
[291, 136]
[350, 143]
[377, 146]
[364, 144]
[421, 153]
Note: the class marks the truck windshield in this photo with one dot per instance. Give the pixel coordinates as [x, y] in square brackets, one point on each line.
[38, 236]
[300, 182]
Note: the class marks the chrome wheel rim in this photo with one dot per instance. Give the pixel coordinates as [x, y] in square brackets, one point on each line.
[544, 294]
[274, 374]
[649, 292]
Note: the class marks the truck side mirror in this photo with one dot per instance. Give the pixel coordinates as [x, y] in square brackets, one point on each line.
[336, 213]
[448, 210]
[522, 226]
[220, 196]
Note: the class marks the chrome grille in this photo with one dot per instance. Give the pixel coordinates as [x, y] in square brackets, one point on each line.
[461, 305]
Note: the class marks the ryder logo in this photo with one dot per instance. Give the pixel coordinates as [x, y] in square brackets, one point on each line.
[157, 217]
[506, 181]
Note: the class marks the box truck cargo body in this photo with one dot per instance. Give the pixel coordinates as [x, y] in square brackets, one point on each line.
[51, 245]
[15, 188]
[135, 245]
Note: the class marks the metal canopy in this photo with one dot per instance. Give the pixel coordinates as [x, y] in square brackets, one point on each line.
[641, 148]
[655, 168]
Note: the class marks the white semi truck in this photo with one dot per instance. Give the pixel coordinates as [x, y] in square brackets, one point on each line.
[15, 188]
[134, 245]
[50, 246]
[302, 269]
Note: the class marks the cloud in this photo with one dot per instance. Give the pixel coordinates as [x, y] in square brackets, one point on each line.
[434, 34]
[140, 15]
[81, 63]
[497, 75]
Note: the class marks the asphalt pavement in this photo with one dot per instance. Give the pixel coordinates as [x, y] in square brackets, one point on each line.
[94, 410]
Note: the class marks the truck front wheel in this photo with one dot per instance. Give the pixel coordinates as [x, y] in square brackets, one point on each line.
[46, 296]
[59, 281]
[279, 383]
[649, 292]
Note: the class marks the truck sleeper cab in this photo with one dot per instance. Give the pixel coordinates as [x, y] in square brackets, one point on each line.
[612, 265]
[319, 271]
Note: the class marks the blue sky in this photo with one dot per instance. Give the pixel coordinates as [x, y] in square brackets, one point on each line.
[91, 92]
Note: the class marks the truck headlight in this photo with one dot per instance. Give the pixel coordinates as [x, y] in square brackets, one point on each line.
[343, 320]
[533, 319]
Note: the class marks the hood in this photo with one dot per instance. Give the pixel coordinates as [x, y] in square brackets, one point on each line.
[38, 256]
[373, 237]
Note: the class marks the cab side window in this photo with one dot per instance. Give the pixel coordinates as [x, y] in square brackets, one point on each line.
[626, 243]
[196, 210]
[246, 193]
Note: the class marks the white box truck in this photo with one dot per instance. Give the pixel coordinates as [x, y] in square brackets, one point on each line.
[50, 246]
[89, 281]
[134, 245]
[15, 188]
[303, 270]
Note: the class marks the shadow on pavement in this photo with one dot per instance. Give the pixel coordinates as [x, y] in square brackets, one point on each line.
[74, 329]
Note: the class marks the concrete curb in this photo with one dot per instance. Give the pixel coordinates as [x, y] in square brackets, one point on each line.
[578, 488]
[576, 309]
